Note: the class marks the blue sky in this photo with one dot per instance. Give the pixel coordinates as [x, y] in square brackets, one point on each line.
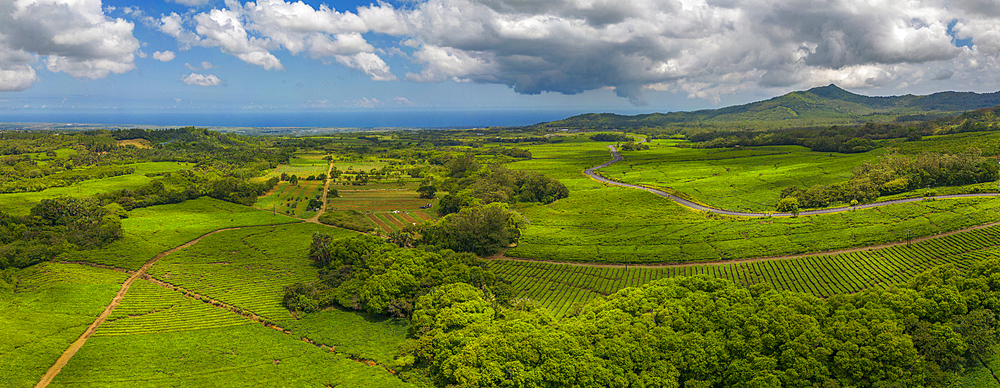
[190, 56]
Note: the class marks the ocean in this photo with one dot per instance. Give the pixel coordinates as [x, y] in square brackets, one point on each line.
[358, 119]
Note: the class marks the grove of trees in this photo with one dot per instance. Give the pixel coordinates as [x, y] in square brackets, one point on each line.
[707, 332]
[893, 174]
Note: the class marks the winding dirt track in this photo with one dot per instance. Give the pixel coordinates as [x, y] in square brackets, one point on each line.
[683, 202]
[68, 354]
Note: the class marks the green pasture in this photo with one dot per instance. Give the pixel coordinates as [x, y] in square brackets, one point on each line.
[613, 224]
[742, 179]
[50, 307]
[291, 200]
[618, 224]
[301, 164]
[358, 335]
[248, 267]
[233, 356]
[21, 203]
[150, 231]
[561, 286]
[151, 308]
[987, 142]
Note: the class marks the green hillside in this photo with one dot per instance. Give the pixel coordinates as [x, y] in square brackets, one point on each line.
[827, 105]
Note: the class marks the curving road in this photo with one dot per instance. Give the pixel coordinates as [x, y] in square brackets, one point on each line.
[683, 202]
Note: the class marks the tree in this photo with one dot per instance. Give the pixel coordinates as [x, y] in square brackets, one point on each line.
[788, 205]
[460, 166]
[482, 230]
[427, 191]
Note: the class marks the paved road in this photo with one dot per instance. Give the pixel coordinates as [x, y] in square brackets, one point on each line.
[683, 202]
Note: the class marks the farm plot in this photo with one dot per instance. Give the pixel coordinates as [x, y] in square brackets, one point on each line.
[149, 231]
[607, 224]
[387, 209]
[150, 308]
[560, 286]
[291, 200]
[47, 307]
[246, 268]
[358, 335]
[232, 356]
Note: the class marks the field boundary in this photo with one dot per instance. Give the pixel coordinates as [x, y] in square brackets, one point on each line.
[616, 157]
[500, 256]
[76, 345]
[141, 274]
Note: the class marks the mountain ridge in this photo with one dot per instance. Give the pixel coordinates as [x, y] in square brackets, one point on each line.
[824, 105]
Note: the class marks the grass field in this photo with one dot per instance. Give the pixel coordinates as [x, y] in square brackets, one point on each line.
[50, 307]
[560, 286]
[612, 224]
[987, 142]
[248, 267]
[21, 203]
[747, 179]
[150, 308]
[355, 334]
[149, 231]
[291, 200]
[301, 165]
[234, 356]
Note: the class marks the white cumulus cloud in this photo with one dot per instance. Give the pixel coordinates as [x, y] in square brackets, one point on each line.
[165, 56]
[253, 30]
[201, 79]
[73, 36]
[192, 3]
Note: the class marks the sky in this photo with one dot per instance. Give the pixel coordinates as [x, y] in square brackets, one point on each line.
[312, 57]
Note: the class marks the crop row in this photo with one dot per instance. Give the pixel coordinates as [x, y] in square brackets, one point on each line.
[396, 220]
[246, 268]
[149, 308]
[560, 286]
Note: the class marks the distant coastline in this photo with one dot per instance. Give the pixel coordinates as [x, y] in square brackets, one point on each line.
[286, 121]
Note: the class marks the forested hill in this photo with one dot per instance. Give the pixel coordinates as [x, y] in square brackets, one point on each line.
[819, 106]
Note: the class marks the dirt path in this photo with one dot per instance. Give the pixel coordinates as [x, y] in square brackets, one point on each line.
[326, 189]
[68, 354]
[192, 295]
[500, 256]
[696, 206]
